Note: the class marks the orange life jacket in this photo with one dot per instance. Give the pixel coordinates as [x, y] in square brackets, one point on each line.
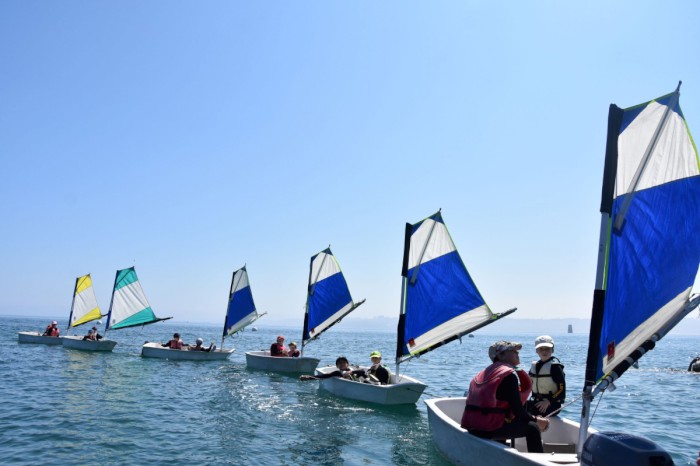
[175, 344]
[483, 411]
[52, 331]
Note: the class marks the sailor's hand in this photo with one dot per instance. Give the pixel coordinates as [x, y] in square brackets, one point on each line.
[542, 423]
[543, 405]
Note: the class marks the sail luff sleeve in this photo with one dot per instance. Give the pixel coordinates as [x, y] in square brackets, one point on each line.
[615, 115]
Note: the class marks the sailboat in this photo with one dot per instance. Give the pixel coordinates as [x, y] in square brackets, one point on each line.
[648, 258]
[240, 312]
[439, 304]
[84, 309]
[129, 306]
[328, 300]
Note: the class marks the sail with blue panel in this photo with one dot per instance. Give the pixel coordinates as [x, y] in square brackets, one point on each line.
[129, 306]
[439, 301]
[328, 297]
[241, 310]
[649, 246]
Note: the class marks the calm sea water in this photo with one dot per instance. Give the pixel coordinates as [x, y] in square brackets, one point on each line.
[61, 406]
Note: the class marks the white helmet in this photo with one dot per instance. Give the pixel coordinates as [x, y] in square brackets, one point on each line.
[200, 341]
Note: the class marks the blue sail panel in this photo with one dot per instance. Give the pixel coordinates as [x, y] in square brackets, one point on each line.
[651, 212]
[241, 309]
[328, 298]
[441, 301]
[652, 262]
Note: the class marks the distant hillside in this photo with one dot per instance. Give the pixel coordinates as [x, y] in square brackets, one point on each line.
[508, 325]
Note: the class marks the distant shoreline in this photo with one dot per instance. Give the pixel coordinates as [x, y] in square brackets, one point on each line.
[689, 326]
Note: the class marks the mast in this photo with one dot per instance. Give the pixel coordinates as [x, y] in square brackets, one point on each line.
[70, 316]
[111, 301]
[230, 296]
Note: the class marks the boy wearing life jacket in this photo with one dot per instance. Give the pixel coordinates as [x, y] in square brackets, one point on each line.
[90, 335]
[495, 403]
[52, 330]
[175, 343]
[548, 380]
[377, 373]
[278, 349]
[293, 351]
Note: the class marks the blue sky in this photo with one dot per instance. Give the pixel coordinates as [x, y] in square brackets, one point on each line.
[190, 138]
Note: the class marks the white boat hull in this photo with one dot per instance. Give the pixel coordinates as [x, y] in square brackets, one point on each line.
[401, 390]
[261, 360]
[155, 350]
[76, 342]
[37, 338]
[460, 447]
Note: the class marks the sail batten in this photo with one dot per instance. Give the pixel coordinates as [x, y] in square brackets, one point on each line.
[328, 297]
[442, 303]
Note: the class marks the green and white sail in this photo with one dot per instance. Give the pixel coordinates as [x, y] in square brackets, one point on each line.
[129, 306]
[84, 308]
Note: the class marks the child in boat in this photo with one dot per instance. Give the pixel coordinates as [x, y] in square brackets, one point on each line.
[52, 330]
[293, 352]
[175, 343]
[377, 373]
[278, 349]
[90, 335]
[548, 380]
[94, 331]
[198, 346]
[342, 370]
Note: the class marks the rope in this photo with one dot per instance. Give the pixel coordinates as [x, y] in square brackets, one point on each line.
[556, 411]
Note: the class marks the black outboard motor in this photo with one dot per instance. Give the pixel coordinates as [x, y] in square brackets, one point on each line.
[619, 448]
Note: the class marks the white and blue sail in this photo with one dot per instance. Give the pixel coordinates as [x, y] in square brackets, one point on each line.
[439, 300]
[241, 310]
[328, 297]
[129, 306]
[649, 247]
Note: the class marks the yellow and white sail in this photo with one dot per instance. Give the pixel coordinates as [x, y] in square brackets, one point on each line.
[84, 308]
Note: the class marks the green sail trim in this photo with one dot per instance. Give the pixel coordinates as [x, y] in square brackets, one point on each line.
[125, 278]
[143, 317]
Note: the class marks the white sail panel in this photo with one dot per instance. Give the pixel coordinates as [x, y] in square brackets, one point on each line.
[439, 245]
[323, 266]
[85, 307]
[673, 157]
[450, 328]
[643, 332]
[128, 300]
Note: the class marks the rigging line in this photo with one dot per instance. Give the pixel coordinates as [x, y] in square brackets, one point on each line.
[590, 420]
[556, 411]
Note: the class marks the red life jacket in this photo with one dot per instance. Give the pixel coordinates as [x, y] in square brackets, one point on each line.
[52, 331]
[483, 410]
[175, 344]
